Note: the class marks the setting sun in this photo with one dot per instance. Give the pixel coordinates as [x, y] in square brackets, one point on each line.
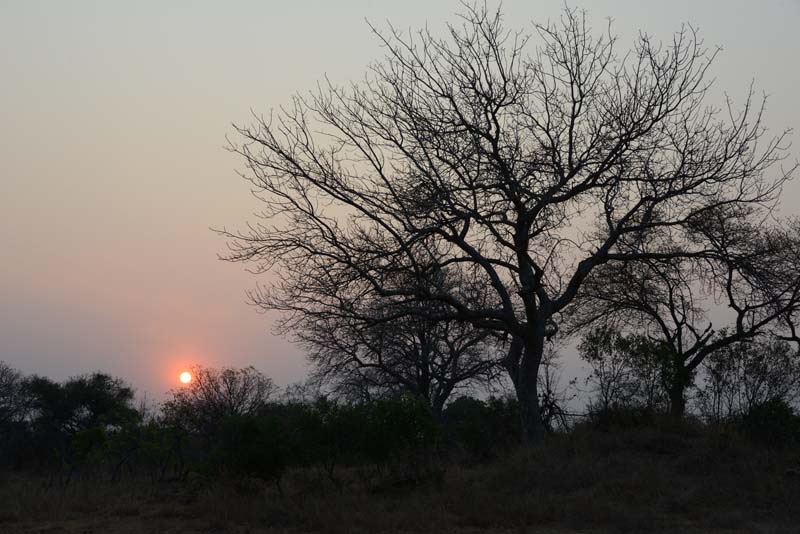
[185, 377]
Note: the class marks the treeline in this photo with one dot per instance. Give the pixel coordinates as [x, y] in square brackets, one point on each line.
[236, 423]
[232, 423]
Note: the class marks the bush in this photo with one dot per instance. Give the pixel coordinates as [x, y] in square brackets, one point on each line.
[738, 377]
[481, 429]
[621, 417]
[398, 434]
[772, 423]
[400, 430]
[251, 447]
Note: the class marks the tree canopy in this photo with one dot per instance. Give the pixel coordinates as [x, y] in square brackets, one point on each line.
[512, 164]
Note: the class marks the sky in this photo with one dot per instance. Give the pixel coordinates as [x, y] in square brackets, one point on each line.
[113, 117]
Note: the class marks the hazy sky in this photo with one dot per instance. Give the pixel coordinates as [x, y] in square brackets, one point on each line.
[113, 118]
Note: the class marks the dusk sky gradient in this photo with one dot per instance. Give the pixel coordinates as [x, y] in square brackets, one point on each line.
[113, 117]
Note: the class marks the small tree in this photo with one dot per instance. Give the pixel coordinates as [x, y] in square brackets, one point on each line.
[750, 272]
[553, 396]
[742, 376]
[627, 370]
[364, 346]
[70, 421]
[430, 360]
[214, 394]
[14, 403]
[82, 402]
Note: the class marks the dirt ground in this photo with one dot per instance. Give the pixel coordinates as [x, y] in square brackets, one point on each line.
[145, 524]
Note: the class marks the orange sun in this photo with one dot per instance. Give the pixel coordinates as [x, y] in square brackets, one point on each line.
[185, 377]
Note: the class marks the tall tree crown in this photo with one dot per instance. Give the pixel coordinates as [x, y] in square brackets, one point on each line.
[518, 161]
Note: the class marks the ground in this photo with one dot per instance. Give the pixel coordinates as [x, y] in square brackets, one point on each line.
[623, 481]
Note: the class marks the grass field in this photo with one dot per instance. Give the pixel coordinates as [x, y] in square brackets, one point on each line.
[624, 481]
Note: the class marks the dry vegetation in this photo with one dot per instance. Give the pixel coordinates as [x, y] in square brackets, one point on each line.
[680, 479]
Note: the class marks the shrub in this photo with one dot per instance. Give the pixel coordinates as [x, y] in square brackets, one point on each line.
[772, 423]
[621, 417]
[396, 430]
[481, 428]
[251, 447]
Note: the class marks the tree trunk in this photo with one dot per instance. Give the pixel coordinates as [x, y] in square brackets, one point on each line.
[523, 367]
[677, 402]
[680, 382]
[437, 407]
[530, 415]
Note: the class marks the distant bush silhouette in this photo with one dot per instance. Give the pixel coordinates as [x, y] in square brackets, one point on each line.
[395, 437]
[628, 371]
[622, 417]
[68, 422]
[87, 428]
[740, 377]
[250, 447]
[214, 394]
[14, 411]
[772, 423]
[482, 429]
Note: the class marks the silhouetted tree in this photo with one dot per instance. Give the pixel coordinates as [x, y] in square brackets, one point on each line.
[516, 170]
[553, 396]
[627, 371]
[366, 357]
[70, 421]
[14, 403]
[752, 274]
[363, 346]
[94, 400]
[741, 376]
[214, 394]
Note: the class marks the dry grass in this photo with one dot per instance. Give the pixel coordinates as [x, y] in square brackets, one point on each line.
[641, 480]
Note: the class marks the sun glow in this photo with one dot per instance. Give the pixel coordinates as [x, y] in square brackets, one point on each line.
[185, 377]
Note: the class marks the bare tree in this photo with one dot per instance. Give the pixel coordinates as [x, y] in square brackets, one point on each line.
[364, 346]
[611, 377]
[515, 162]
[428, 359]
[214, 394]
